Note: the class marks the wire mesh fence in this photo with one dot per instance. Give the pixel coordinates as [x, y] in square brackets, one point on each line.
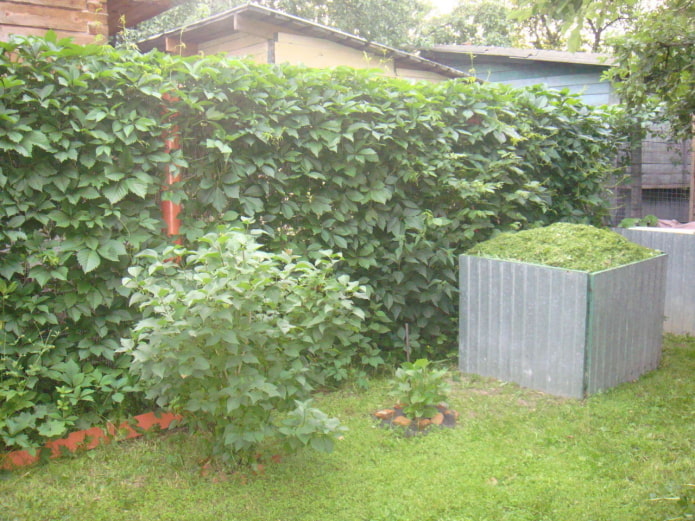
[657, 182]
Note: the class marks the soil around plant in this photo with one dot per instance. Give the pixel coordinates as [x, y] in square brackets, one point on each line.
[396, 418]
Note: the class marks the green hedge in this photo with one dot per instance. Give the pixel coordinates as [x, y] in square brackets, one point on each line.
[398, 177]
[81, 145]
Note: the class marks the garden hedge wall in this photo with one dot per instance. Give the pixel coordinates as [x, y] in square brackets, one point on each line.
[397, 177]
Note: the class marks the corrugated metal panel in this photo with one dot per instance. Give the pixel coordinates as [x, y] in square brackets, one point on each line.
[680, 278]
[625, 323]
[556, 330]
[523, 323]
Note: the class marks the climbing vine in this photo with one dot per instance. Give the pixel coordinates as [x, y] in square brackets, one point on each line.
[398, 178]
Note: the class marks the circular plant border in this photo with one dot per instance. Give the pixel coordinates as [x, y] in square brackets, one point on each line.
[395, 417]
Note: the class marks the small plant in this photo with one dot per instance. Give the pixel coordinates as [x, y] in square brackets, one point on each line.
[419, 388]
[647, 220]
[235, 337]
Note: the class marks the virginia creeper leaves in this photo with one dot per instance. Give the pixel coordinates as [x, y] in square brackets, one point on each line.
[398, 177]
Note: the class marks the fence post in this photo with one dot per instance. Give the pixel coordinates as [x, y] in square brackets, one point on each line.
[636, 175]
[691, 193]
[170, 210]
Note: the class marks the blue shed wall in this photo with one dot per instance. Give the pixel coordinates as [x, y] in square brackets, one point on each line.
[581, 79]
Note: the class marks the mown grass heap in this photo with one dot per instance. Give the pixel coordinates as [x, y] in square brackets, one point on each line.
[564, 245]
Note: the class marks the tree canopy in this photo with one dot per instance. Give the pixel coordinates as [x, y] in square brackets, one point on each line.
[575, 24]
[543, 24]
[656, 64]
[479, 22]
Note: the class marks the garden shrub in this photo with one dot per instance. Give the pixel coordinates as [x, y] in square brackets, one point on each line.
[235, 336]
[397, 177]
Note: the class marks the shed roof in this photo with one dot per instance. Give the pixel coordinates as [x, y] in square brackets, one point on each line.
[226, 23]
[132, 12]
[514, 53]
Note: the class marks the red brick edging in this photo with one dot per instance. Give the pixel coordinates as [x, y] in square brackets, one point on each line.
[91, 438]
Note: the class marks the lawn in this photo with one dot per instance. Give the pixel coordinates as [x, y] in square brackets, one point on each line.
[626, 454]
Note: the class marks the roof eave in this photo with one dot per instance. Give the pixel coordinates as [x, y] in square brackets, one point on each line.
[514, 53]
[225, 23]
[128, 13]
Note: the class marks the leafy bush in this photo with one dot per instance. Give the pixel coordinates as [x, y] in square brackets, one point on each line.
[647, 220]
[235, 336]
[419, 388]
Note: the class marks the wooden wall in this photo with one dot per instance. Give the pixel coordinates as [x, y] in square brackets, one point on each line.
[321, 53]
[239, 45]
[581, 79]
[418, 75]
[86, 21]
[665, 164]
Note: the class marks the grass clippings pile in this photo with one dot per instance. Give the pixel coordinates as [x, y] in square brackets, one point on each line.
[563, 245]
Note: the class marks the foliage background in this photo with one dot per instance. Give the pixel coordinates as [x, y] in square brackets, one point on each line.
[656, 66]
[397, 177]
[80, 137]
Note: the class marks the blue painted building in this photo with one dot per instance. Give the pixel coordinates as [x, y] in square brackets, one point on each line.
[579, 72]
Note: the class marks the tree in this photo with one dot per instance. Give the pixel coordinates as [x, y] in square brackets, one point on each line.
[576, 23]
[656, 64]
[477, 22]
[390, 22]
[542, 24]
[542, 32]
[606, 17]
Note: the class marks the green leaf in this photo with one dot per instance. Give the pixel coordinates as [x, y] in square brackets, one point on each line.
[112, 249]
[137, 187]
[52, 428]
[88, 259]
[40, 275]
[115, 193]
[219, 145]
[315, 147]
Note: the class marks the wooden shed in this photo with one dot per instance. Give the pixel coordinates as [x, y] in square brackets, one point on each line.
[85, 21]
[270, 36]
[660, 174]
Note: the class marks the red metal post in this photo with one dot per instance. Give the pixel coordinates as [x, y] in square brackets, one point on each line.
[171, 210]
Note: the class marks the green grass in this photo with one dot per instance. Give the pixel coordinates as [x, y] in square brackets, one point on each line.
[516, 454]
